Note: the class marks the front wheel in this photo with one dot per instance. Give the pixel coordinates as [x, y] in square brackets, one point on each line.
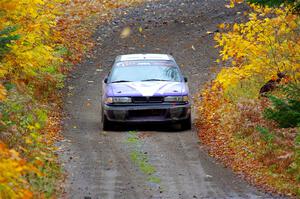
[186, 124]
[105, 123]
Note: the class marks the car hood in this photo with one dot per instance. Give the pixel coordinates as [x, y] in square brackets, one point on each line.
[152, 88]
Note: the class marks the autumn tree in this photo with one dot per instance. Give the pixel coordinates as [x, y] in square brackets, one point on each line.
[257, 135]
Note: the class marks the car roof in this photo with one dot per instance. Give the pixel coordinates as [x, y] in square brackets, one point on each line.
[136, 57]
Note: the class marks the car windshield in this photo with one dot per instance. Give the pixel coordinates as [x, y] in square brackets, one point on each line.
[131, 71]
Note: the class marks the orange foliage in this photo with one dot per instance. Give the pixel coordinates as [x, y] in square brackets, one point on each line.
[229, 132]
[231, 111]
[50, 35]
[12, 181]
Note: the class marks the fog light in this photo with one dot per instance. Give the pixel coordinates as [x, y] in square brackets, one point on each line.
[176, 112]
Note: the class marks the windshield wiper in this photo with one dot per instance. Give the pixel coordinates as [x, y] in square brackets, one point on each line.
[154, 80]
[120, 81]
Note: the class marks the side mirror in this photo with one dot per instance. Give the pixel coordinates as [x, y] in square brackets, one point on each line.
[185, 79]
[105, 80]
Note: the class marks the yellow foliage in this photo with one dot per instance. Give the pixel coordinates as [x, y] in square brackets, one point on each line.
[230, 112]
[44, 36]
[12, 171]
[34, 20]
[2, 93]
[261, 47]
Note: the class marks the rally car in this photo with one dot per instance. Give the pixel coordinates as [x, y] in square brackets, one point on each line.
[145, 88]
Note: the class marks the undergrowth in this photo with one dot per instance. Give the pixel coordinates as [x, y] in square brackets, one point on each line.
[256, 134]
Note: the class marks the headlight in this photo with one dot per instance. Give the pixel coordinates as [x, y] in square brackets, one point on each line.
[177, 98]
[117, 100]
[108, 100]
[121, 99]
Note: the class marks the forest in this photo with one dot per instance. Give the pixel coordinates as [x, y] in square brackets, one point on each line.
[248, 116]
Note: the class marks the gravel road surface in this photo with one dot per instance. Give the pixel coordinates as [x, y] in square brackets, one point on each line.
[100, 165]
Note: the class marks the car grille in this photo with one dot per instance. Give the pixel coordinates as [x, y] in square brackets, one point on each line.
[146, 113]
[147, 99]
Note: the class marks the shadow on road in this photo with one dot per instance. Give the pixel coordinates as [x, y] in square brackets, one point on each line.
[153, 126]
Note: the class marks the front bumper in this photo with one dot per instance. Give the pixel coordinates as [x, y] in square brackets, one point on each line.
[147, 113]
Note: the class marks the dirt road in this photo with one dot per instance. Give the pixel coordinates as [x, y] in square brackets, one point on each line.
[171, 164]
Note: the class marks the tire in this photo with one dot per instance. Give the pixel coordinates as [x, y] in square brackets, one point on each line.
[186, 124]
[105, 123]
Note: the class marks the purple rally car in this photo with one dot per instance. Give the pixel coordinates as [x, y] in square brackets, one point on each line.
[145, 88]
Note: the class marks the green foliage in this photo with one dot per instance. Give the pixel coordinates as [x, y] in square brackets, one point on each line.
[43, 158]
[286, 112]
[140, 159]
[39, 39]
[292, 90]
[244, 89]
[276, 3]
[230, 110]
[267, 136]
[295, 166]
[271, 2]
[23, 120]
[8, 86]
[154, 179]
[6, 37]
